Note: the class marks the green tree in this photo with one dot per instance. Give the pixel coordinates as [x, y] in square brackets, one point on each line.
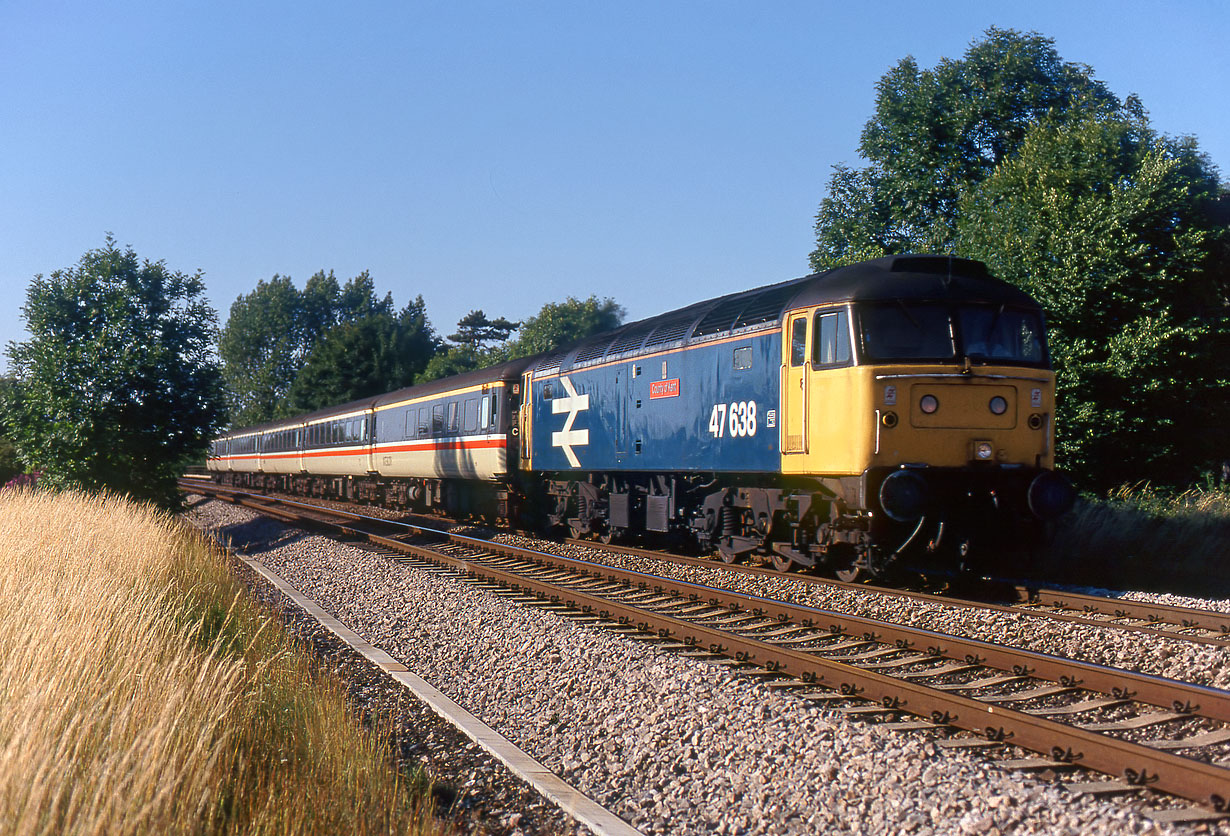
[1115, 231]
[559, 323]
[375, 354]
[262, 346]
[556, 325]
[117, 386]
[456, 359]
[272, 331]
[936, 133]
[1015, 157]
[475, 330]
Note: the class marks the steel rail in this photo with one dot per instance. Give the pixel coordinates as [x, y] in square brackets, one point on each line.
[1030, 598]
[1218, 622]
[1184, 697]
[1139, 765]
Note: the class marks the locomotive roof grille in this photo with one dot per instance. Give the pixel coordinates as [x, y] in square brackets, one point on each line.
[629, 340]
[720, 318]
[765, 307]
[593, 351]
[673, 330]
[551, 361]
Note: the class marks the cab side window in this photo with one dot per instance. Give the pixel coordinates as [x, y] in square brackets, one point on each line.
[831, 339]
[798, 341]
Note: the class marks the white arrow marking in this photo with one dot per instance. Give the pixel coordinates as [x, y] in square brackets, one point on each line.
[567, 437]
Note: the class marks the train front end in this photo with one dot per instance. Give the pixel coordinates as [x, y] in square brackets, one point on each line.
[921, 396]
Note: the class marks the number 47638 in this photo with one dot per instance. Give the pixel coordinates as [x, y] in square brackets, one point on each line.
[738, 419]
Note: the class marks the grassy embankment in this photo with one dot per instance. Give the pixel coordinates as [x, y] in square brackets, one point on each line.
[1143, 537]
[142, 691]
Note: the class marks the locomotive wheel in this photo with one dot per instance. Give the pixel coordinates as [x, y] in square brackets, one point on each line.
[576, 533]
[846, 563]
[852, 573]
[726, 553]
[782, 563]
[610, 535]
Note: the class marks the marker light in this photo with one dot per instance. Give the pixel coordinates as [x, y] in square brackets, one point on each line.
[983, 450]
[998, 405]
[929, 404]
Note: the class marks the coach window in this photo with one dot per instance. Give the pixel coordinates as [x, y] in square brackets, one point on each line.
[831, 338]
[798, 341]
[495, 410]
[469, 420]
[424, 421]
[484, 418]
[452, 417]
[437, 419]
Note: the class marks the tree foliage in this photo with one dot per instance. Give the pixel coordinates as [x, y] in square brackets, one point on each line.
[935, 133]
[555, 325]
[475, 330]
[273, 334]
[1015, 157]
[117, 386]
[357, 359]
[560, 323]
[1110, 227]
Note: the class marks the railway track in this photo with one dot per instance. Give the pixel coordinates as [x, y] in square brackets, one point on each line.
[990, 696]
[1145, 618]
[1163, 620]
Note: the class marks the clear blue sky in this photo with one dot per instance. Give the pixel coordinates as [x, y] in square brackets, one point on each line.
[496, 154]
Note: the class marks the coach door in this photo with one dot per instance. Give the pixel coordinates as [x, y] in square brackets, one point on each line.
[367, 432]
[796, 363]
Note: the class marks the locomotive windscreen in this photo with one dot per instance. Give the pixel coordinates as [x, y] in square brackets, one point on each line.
[935, 332]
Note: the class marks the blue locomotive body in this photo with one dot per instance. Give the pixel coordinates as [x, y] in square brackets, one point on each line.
[706, 408]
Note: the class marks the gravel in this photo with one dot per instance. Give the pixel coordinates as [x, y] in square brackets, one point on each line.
[1184, 661]
[674, 745]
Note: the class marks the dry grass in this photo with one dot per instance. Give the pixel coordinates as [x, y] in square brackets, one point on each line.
[1142, 536]
[142, 692]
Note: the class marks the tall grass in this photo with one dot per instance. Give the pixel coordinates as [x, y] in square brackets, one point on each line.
[142, 692]
[1147, 537]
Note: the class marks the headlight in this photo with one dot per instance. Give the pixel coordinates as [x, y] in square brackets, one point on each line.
[929, 404]
[998, 405]
[1050, 494]
[904, 495]
[983, 450]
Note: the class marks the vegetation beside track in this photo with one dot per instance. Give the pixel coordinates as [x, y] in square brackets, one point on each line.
[143, 691]
[1146, 537]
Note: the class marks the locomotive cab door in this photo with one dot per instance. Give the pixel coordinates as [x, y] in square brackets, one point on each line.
[796, 363]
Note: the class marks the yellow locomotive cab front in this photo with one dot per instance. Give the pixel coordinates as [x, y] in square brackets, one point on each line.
[923, 419]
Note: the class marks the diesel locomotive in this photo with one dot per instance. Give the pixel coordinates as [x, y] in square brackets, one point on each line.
[896, 409]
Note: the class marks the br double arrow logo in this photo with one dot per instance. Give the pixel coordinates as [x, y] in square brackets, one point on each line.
[566, 438]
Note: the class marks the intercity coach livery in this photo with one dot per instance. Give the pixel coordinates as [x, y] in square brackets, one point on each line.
[845, 420]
